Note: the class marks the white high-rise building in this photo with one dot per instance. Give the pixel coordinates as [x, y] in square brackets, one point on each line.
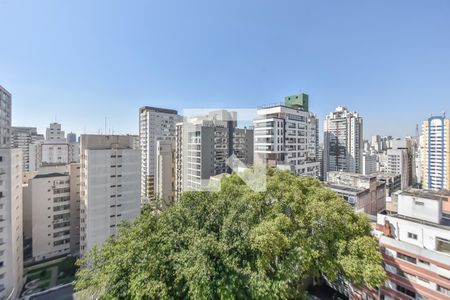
[436, 153]
[343, 140]
[11, 236]
[110, 185]
[155, 124]
[22, 137]
[287, 137]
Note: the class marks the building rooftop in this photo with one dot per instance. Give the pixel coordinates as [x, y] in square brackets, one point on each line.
[344, 188]
[158, 109]
[277, 104]
[49, 175]
[444, 224]
[433, 195]
[349, 174]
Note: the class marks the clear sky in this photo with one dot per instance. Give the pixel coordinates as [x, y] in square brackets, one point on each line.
[79, 61]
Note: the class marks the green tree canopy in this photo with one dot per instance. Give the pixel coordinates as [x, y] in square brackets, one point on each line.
[236, 243]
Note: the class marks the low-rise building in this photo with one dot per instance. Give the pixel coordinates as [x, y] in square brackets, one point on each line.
[415, 244]
[364, 192]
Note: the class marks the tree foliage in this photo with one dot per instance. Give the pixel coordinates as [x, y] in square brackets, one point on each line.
[236, 243]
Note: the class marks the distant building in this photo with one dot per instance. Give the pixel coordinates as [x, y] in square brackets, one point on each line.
[71, 137]
[343, 140]
[110, 172]
[54, 150]
[436, 153]
[11, 236]
[203, 145]
[22, 137]
[155, 124]
[369, 163]
[364, 192]
[393, 184]
[54, 133]
[415, 244]
[165, 170]
[287, 136]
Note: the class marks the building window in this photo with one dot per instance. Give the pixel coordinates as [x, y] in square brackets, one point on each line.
[443, 290]
[412, 236]
[406, 291]
[407, 258]
[424, 262]
[442, 245]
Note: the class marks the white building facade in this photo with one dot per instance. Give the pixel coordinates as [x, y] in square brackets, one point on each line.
[110, 186]
[415, 244]
[286, 136]
[22, 137]
[11, 236]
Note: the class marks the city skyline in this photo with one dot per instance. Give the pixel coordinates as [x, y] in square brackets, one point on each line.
[173, 55]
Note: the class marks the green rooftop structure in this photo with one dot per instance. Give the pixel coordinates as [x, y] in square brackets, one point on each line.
[299, 100]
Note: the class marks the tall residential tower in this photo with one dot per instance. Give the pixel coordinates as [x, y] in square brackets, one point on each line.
[155, 124]
[436, 153]
[11, 236]
[343, 140]
[287, 136]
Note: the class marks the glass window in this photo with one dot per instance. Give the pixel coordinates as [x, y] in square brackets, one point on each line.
[408, 258]
[442, 245]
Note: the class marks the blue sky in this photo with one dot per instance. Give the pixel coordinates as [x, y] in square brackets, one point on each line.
[79, 61]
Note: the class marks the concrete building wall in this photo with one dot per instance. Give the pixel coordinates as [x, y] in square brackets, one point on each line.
[165, 170]
[11, 214]
[74, 171]
[11, 223]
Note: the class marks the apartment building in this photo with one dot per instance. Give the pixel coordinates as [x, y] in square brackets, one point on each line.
[415, 244]
[399, 160]
[54, 150]
[343, 140]
[369, 163]
[110, 186]
[203, 145]
[22, 137]
[287, 136]
[51, 212]
[436, 153]
[11, 236]
[364, 192]
[54, 133]
[155, 124]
